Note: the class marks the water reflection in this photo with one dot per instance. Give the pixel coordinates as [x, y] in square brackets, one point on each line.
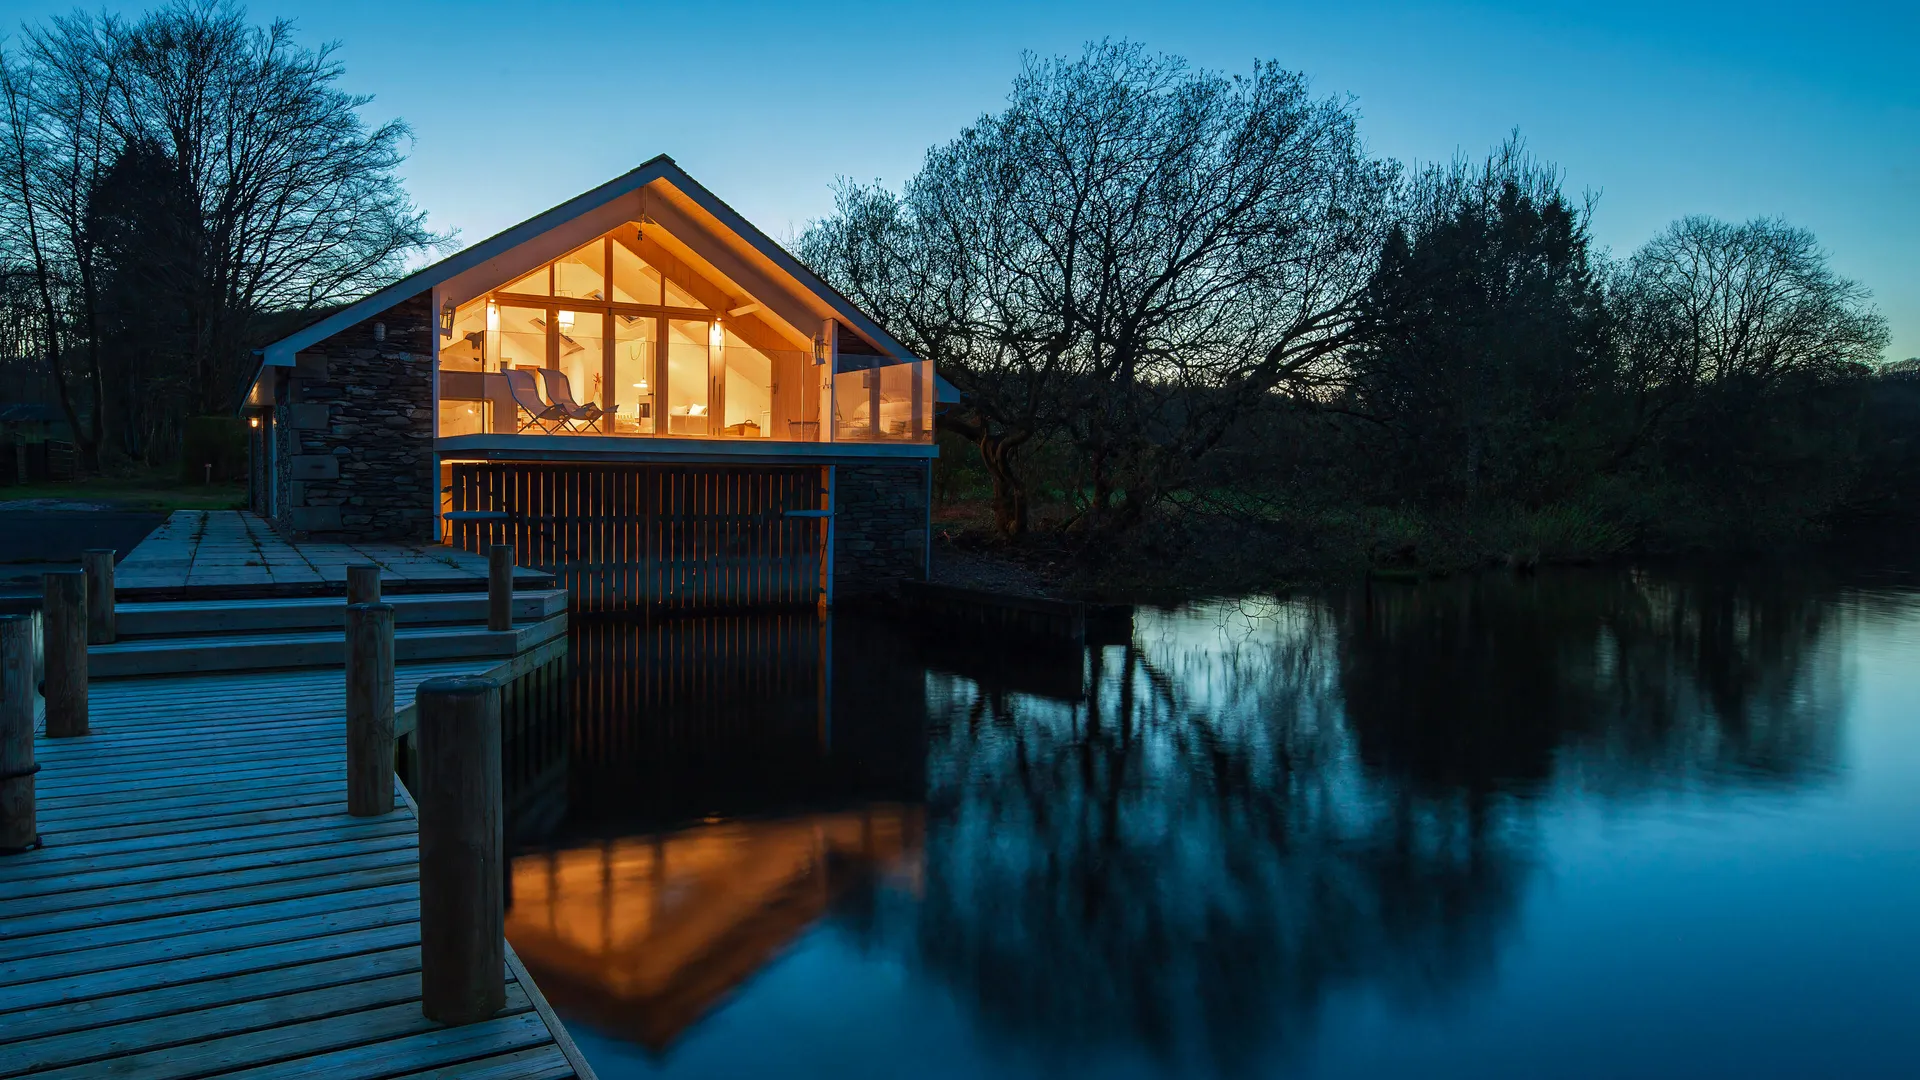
[1172, 853]
[1188, 861]
[643, 936]
[1617, 680]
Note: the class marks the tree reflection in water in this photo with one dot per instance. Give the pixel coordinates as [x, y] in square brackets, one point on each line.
[1180, 848]
[1256, 805]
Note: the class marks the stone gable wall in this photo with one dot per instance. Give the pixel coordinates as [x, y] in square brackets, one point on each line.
[879, 529]
[356, 432]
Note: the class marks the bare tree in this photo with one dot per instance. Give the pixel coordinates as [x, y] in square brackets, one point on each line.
[169, 182]
[1711, 302]
[58, 139]
[1129, 255]
[297, 202]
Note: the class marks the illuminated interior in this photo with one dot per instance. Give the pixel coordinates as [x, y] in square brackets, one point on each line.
[622, 336]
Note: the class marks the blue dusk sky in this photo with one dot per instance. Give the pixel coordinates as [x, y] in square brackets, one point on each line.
[1805, 111]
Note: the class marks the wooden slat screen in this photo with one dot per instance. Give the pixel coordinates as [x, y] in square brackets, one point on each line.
[624, 536]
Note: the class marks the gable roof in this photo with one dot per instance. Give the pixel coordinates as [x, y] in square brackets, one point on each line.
[281, 353]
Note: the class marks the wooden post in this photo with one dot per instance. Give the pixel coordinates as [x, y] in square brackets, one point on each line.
[369, 709]
[64, 614]
[500, 587]
[19, 830]
[363, 584]
[98, 563]
[462, 898]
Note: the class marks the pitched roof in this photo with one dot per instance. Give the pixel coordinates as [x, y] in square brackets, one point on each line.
[281, 353]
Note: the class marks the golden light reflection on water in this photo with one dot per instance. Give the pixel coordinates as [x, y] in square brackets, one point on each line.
[644, 935]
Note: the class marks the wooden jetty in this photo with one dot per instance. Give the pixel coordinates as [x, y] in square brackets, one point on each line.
[204, 906]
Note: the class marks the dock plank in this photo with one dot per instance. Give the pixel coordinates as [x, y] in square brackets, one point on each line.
[101, 1014]
[204, 906]
[425, 1050]
[161, 1033]
[166, 874]
[386, 1026]
[205, 883]
[171, 927]
[195, 968]
[93, 927]
[194, 844]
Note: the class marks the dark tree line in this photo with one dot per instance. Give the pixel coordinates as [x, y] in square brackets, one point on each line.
[1169, 294]
[175, 187]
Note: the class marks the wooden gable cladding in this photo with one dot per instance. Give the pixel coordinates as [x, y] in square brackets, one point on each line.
[751, 328]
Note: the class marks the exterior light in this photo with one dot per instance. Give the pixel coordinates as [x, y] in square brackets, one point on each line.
[446, 320]
[253, 421]
[819, 350]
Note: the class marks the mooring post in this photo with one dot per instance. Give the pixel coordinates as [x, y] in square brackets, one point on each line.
[500, 587]
[363, 584]
[98, 563]
[64, 634]
[369, 709]
[19, 828]
[462, 896]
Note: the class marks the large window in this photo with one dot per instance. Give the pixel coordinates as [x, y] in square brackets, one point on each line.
[620, 336]
[633, 370]
[689, 378]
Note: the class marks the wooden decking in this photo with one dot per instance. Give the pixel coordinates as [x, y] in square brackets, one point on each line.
[205, 907]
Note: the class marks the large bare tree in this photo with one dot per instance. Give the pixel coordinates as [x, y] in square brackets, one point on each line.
[1126, 257]
[297, 202]
[171, 180]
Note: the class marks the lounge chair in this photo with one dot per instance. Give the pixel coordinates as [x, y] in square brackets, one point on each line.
[542, 416]
[560, 392]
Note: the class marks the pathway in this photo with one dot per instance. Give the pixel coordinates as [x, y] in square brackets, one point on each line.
[234, 552]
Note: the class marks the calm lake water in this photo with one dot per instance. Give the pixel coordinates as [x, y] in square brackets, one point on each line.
[1600, 823]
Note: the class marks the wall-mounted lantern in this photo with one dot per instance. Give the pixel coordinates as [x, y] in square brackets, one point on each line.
[446, 320]
[819, 350]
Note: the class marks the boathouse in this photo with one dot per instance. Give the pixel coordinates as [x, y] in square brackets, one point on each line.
[638, 389]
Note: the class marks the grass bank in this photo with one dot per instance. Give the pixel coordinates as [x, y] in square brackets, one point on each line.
[156, 490]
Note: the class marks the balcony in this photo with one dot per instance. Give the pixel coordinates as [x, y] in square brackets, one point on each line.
[872, 400]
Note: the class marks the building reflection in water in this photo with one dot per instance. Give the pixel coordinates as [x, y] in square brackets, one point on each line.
[644, 936]
[714, 806]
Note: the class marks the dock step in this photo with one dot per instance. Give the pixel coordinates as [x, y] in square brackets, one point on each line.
[326, 648]
[212, 617]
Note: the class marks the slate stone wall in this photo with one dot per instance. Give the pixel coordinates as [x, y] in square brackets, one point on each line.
[356, 432]
[879, 529]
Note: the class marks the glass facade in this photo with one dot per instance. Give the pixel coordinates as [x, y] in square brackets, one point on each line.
[621, 336]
